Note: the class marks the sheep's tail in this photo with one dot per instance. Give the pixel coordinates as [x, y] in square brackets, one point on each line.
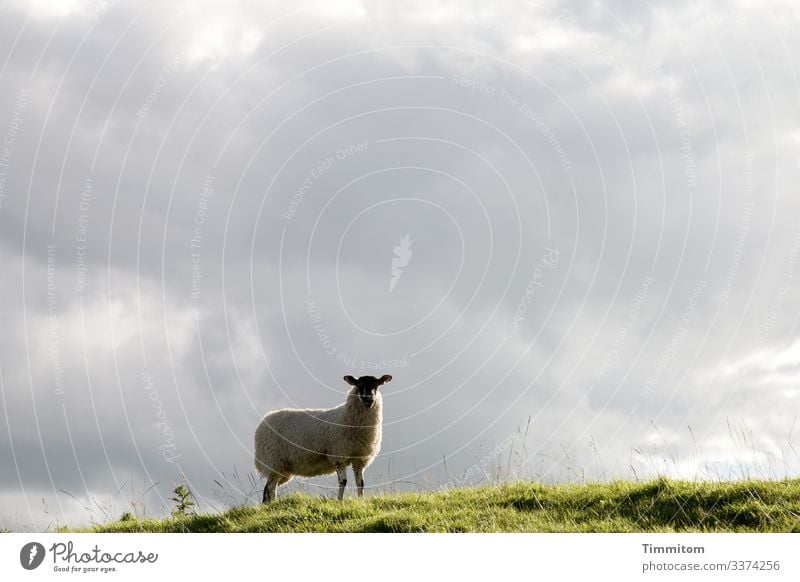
[258, 454]
[261, 468]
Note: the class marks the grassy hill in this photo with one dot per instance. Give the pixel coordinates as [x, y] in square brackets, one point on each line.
[656, 506]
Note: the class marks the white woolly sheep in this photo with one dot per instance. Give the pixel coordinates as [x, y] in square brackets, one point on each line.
[311, 442]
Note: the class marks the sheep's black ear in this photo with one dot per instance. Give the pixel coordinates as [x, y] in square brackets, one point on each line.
[385, 379]
[350, 380]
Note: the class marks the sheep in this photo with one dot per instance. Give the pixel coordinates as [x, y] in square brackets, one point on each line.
[311, 442]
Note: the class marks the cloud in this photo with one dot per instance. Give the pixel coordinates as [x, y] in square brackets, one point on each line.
[201, 205]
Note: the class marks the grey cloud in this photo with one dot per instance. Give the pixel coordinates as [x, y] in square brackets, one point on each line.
[588, 139]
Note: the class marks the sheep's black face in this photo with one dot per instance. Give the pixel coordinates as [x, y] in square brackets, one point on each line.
[367, 387]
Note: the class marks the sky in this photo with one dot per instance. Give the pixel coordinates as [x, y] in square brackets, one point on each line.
[570, 231]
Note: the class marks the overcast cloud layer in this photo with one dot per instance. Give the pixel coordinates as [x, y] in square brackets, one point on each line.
[570, 231]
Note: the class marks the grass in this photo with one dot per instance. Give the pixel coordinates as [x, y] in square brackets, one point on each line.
[661, 505]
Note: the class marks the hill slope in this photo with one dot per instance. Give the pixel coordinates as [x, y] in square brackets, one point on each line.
[656, 506]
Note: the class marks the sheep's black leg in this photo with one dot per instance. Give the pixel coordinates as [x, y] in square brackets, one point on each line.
[270, 490]
[358, 471]
[341, 473]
